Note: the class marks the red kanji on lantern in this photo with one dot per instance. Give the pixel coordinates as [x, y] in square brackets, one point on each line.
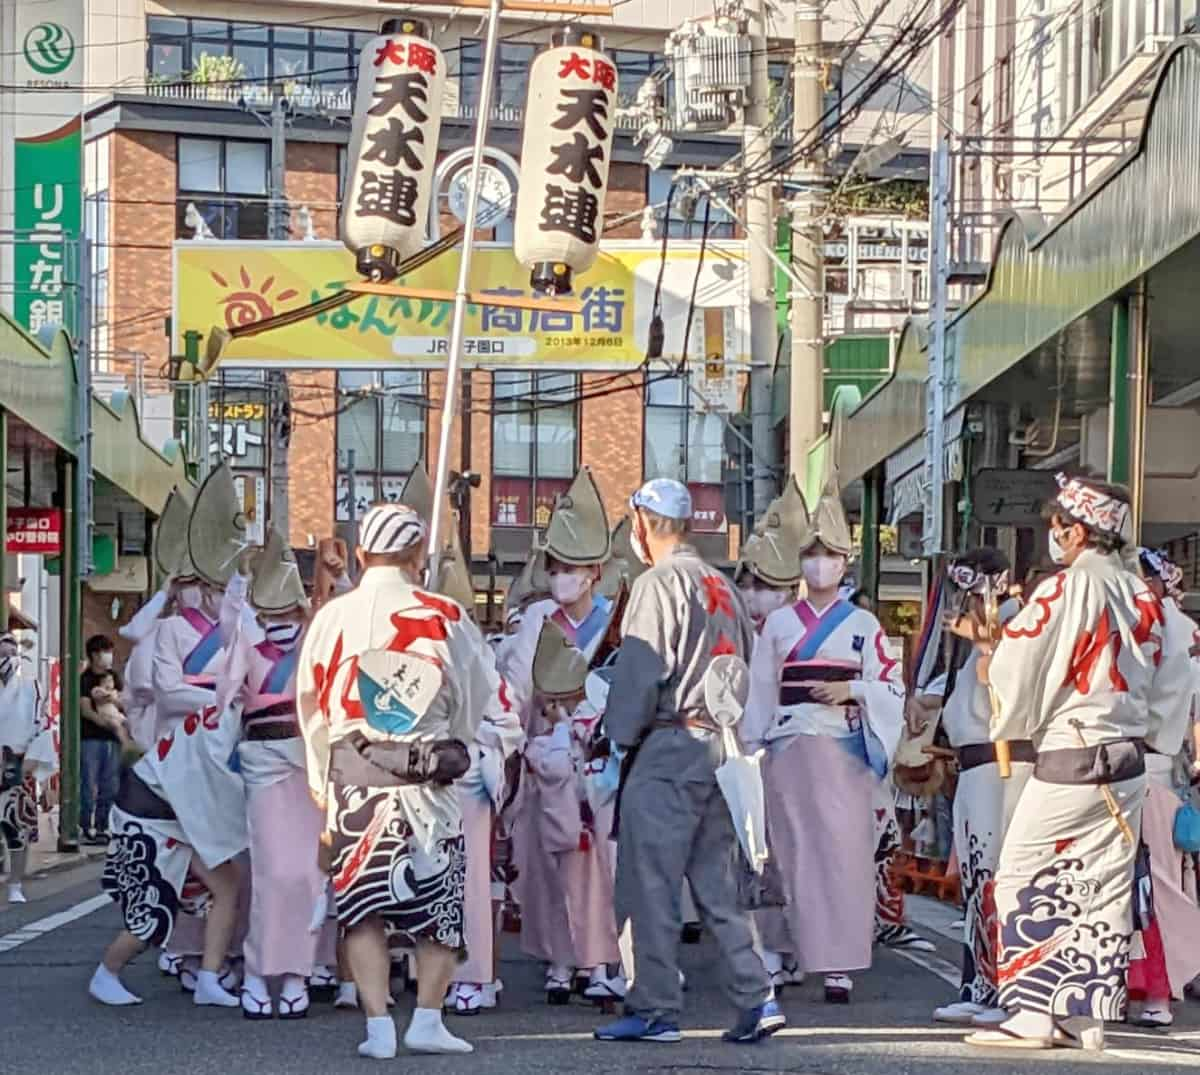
[604, 75]
[422, 58]
[575, 65]
[392, 52]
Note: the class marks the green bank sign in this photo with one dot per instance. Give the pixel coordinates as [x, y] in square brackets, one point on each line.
[49, 48]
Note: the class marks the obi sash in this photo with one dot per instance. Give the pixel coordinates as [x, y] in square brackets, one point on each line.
[588, 631]
[275, 700]
[802, 666]
[204, 651]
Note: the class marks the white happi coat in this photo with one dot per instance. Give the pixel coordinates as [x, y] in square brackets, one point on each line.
[1086, 659]
[138, 697]
[24, 727]
[387, 613]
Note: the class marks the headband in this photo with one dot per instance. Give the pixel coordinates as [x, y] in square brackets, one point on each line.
[1100, 511]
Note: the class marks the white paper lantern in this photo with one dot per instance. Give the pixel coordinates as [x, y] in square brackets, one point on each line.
[393, 147]
[565, 156]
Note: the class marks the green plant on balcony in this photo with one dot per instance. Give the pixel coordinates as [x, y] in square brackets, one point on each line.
[216, 72]
[908, 197]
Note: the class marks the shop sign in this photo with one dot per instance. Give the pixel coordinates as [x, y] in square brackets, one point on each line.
[35, 531]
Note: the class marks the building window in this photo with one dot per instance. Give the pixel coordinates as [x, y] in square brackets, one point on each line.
[683, 443]
[381, 418]
[633, 68]
[687, 210]
[513, 60]
[227, 181]
[535, 444]
[325, 56]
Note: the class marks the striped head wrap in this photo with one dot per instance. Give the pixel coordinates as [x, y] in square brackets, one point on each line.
[389, 529]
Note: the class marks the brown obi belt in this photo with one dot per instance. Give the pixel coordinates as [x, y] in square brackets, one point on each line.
[1105, 763]
[138, 799]
[692, 720]
[796, 674]
[273, 722]
[976, 754]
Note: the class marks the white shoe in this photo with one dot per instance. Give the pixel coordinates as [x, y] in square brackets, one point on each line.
[490, 995]
[256, 998]
[169, 964]
[464, 998]
[1153, 1015]
[428, 1034]
[106, 987]
[962, 1013]
[16, 894]
[380, 1043]
[189, 969]
[293, 997]
[601, 987]
[210, 993]
[989, 1017]
[347, 996]
[838, 988]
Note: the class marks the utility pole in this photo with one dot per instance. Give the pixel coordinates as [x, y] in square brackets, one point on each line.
[760, 225]
[351, 509]
[279, 412]
[933, 521]
[807, 395]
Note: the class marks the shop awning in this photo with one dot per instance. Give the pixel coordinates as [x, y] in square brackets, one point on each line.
[1044, 278]
[38, 386]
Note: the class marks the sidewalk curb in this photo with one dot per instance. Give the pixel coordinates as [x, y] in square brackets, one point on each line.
[65, 860]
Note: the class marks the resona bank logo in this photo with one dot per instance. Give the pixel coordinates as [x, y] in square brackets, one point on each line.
[49, 48]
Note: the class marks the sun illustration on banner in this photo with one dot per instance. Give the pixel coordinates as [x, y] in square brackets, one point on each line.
[248, 305]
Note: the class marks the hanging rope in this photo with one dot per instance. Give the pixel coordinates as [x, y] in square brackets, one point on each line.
[656, 335]
[687, 332]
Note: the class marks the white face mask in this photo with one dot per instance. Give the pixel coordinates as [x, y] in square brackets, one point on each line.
[1057, 553]
[567, 587]
[190, 596]
[823, 572]
[764, 602]
[105, 659]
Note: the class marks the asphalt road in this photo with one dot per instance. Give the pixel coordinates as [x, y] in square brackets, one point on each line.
[48, 1024]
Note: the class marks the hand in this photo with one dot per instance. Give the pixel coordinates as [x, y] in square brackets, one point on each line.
[915, 718]
[831, 693]
[335, 564]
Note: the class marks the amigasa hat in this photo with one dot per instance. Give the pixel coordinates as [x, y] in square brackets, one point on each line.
[276, 586]
[217, 528]
[171, 536]
[559, 668]
[578, 530]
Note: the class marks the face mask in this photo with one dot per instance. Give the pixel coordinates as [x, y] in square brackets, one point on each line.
[764, 602]
[639, 547]
[1057, 553]
[823, 572]
[568, 587]
[105, 659]
[190, 596]
[283, 633]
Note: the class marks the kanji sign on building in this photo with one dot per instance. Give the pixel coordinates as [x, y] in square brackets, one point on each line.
[36, 531]
[397, 121]
[565, 156]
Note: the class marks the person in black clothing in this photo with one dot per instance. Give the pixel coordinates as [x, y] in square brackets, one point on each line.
[100, 744]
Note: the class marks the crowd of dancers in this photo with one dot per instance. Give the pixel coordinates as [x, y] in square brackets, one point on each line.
[321, 792]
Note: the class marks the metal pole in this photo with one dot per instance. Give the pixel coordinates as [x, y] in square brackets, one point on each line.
[760, 228]
[83, 359]
[69, 650]
[1119, 406]
[935, 382]
[278, 401]
[454, 358]
[806, 398]
[351, 508]
[1139, 382]
[464, 491]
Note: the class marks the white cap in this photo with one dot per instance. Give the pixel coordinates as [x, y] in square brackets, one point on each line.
[665, 497]
[389, 529]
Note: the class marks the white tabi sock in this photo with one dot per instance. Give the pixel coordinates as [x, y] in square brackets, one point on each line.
[210, 992]
[427, 1034]
[106, 987]
[347, 996]
[381, 1038]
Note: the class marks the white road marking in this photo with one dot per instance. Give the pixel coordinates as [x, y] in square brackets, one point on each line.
[52, 922]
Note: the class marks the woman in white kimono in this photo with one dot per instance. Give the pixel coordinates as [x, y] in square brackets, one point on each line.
[1170, 946]
[983, 800]
[181, 809]
[827, 703]
[27, 754]
[1086, 672]
[577, 545]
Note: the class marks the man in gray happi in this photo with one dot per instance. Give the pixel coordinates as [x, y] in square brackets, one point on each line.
[674, 823]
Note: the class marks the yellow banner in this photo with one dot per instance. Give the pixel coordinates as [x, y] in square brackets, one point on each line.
[231, 283]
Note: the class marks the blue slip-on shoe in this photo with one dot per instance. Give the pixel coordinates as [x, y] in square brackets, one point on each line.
[755, 1024]
[635, 1028]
